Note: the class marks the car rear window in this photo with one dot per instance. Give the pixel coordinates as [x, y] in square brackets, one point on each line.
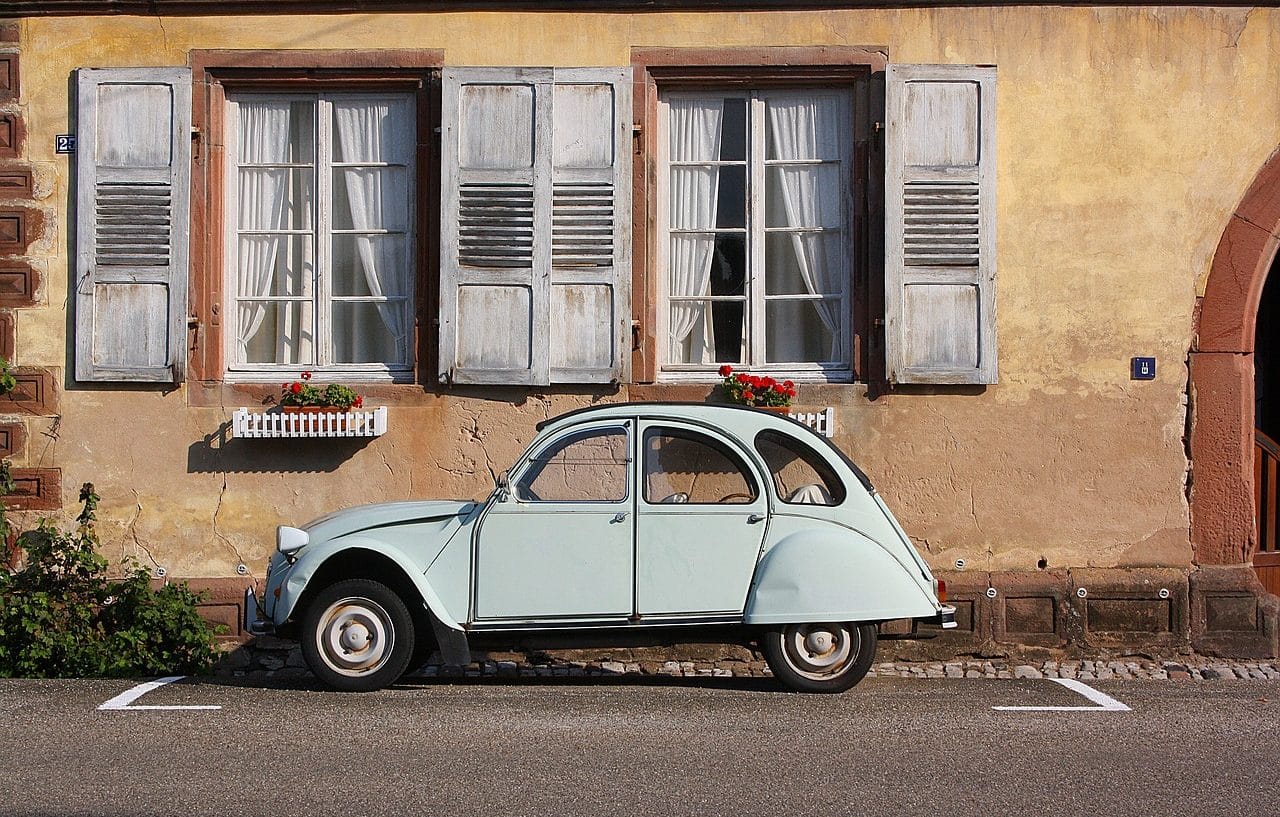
[800, 475]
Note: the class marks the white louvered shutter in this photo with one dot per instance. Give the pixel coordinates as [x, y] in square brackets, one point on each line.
[133, 177]
[940, 267]
[535, 232]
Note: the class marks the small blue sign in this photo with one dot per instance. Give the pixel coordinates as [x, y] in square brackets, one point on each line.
[1144, 368]
[64, 143]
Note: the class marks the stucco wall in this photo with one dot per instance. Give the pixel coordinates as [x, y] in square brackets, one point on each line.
[1126, 138]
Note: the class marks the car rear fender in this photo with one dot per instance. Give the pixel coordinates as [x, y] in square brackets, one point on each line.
[833, 575]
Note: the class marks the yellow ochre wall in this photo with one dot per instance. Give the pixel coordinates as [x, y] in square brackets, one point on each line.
[1126, 138]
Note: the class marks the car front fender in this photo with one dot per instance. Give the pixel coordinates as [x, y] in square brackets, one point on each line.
[833, 575]
[314, 557]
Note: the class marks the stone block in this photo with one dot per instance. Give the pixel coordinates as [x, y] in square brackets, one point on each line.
[13, 440]
[18, 284]
[1232, 615]
[10, 85]
[35, 489]
[12, 134]
[1131, 608]
[16, 183]
[35, 393]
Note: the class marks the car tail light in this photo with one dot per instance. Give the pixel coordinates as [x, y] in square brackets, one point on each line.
[940, 590]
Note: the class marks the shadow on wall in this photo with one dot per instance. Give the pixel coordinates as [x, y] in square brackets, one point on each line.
[219, 452]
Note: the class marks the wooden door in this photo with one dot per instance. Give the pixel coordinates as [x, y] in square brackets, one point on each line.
[1266, 486]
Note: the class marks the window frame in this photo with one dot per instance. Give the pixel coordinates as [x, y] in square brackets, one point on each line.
[755, 232]
[219, 72]
[860, 67]
[321, 229]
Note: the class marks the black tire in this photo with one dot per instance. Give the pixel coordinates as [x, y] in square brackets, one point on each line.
[826, 657]
[357, 636]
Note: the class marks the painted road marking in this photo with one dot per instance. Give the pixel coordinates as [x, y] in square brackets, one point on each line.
[1105, 703]
[125, 700]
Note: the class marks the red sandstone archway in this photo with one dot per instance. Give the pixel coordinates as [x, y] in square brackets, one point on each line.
[1222, 376]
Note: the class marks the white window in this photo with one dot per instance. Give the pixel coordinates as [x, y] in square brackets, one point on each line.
[756, 231]
[319, 251]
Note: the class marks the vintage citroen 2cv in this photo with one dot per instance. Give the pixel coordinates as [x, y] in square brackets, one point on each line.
[625, 523]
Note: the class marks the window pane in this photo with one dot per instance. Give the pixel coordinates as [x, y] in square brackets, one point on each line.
[799, 473]
[274, 199]
[274, 265]
[804, 264]
[731, 202]
[683, 466]
[589, 466]
[370, 332]
[801, 331]
[694, 129]
[693, 200]
[733, 132]
[370, 198]
[803, 196]
[803, 125]
[369, 265]
[275, 332]
[707, 332]
[372, 130]
[277, 131]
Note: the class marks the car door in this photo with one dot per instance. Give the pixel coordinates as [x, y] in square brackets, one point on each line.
[700, 520]
[559, 544]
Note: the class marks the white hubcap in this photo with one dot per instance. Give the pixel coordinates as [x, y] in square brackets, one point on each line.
[355, 636]
[820, 651]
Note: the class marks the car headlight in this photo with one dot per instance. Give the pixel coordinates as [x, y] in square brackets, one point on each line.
[290, 539]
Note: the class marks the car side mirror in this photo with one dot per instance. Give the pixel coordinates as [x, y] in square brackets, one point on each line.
[502, 489]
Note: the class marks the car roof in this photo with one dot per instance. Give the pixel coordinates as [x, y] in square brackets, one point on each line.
[741, 421]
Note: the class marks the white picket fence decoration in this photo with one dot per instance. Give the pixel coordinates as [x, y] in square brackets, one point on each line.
[823, 422]
[258, 424]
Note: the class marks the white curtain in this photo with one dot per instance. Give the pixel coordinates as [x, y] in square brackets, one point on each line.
[366, 131]
[264, 139]
[799, 131]
[695, 136]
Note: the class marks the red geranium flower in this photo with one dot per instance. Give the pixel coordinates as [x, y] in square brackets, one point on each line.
[296, 388]
[748, 395]
[306, 375]
[726, 370]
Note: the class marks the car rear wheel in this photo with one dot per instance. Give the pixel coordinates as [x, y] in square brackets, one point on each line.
[357, 636]
[826, 657]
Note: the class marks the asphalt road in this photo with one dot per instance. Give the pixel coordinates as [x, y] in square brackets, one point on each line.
[661, 747]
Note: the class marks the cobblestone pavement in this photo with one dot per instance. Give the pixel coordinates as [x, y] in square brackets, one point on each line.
[283, 659]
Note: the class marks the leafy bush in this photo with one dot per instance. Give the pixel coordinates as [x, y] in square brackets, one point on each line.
[61, 615]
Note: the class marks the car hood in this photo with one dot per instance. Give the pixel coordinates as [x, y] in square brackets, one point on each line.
[364, 517]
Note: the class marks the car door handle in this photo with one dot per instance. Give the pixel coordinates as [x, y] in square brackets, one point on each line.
[620, 516]
[754, 518]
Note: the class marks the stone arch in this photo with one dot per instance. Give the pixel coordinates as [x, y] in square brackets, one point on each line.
[1221, 363]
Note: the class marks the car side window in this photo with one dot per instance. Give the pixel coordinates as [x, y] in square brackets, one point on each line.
[800, 475]
[684, 466]
[585, 466]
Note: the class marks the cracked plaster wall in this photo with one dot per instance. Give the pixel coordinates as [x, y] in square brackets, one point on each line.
[1126, 138]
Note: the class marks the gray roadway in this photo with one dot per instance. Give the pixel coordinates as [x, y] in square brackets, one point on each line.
[661, 747]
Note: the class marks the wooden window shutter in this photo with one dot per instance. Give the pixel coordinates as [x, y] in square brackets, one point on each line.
[133, 177]
[535, 232]
[940, 198]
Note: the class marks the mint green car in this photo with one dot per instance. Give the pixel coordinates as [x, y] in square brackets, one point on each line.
[625, 523]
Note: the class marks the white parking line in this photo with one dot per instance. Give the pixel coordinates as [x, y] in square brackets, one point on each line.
[1105, 703]
[124, 701]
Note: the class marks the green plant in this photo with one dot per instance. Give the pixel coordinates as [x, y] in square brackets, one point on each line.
[751, 390]
[303, 393]
[7, 381]
[61, 615]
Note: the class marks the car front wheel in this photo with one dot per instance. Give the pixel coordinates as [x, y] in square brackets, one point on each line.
[827, 657]
[357, 636]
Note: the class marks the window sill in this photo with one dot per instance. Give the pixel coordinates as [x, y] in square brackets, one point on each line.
[277, 424]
